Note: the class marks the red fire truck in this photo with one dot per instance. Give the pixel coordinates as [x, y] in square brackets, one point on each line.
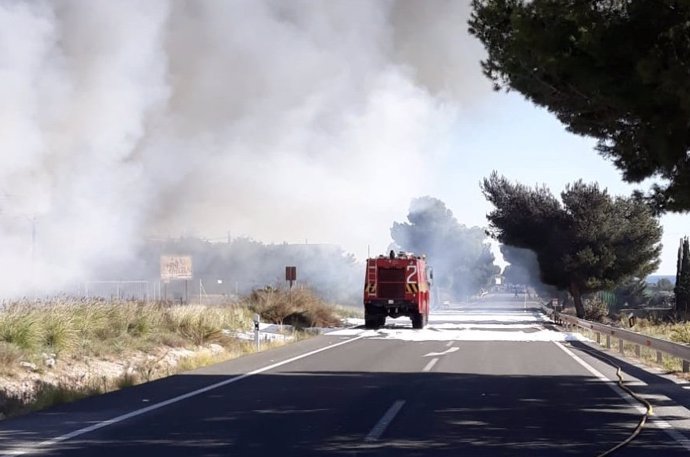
[397, 285]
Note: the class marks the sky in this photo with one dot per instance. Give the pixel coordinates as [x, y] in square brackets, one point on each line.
[527, 144]
[303, 121]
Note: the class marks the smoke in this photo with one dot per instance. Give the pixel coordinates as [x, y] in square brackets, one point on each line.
[279, 120]
[461, 256]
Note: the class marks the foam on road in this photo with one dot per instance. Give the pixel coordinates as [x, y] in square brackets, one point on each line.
[522, 326]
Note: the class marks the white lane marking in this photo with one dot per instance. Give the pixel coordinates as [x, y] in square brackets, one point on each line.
[660, 423]
[450, 343]
[139, 412]
[447, 351]
[385, 421]
[430, 365]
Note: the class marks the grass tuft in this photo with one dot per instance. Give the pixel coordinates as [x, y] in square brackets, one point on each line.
[20, 327]
[58, 330]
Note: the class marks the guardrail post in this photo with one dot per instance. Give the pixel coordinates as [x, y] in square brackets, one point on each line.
[663, 348]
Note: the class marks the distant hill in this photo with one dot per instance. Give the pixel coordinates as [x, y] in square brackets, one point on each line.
[653, 279]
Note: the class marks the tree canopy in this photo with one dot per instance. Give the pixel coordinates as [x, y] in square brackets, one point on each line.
[461, 256]
[588, 241]
[614, 70]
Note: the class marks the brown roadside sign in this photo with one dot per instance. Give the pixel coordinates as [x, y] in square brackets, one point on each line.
[291, 273]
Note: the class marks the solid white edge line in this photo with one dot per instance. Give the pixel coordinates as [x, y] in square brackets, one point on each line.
[660, 423]
[385, 421]
[430, 365]
[139, 412]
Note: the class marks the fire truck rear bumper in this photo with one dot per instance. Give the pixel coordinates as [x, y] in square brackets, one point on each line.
[393, 308]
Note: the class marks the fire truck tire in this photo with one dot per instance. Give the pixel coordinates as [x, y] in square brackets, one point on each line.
[373, 321]
[417, 320]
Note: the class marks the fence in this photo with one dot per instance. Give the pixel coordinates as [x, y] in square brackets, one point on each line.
[190, 291]
[125, 290]
[680, 351]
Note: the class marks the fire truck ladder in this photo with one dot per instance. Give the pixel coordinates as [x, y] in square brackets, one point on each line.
[371, 278]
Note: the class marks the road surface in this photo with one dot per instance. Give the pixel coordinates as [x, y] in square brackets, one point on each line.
[489, 378]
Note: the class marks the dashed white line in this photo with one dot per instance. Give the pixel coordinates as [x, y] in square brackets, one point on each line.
[450, 343]
[385, 421]
[430, 365]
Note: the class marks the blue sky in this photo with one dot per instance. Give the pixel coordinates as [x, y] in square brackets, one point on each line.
[505, 132]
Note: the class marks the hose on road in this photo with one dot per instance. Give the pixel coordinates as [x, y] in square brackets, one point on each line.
[649, 410]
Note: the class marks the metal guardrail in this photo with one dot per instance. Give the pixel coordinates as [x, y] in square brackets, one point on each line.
[680, 351]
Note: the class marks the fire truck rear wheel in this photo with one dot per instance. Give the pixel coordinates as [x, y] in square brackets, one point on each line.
[374, 321]
[417, 320]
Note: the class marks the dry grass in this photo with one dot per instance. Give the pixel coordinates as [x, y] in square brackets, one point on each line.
[95, 327]
[298, 307]
[10, 355]
[671, 332]
[78, 330]
[92, 329]
[349, 311]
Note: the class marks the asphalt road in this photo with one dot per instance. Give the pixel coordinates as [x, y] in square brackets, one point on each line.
[486, 379]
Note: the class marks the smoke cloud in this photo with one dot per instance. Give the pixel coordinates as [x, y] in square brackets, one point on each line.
[278, 120]
[460, 256]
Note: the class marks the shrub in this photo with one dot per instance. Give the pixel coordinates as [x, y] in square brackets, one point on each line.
[596, 310]
[198, 324]
[58, 331]
[298, 307]
[681, 333]
[20, 328]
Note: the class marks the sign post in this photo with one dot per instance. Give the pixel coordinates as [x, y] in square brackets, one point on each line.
[257, 320]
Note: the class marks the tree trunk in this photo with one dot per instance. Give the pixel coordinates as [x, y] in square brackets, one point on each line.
[577, 298]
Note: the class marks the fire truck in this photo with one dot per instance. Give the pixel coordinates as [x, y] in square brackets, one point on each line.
[397, 285]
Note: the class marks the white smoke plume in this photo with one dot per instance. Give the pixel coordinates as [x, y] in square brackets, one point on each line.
[273, 119]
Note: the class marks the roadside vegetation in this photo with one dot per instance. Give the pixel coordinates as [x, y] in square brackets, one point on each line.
[647, 311]
[59, 350]
[300, 308]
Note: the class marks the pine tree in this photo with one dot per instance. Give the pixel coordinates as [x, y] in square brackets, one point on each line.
[679, 266]
[683, 287]
[612, 70]
[590, 241]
